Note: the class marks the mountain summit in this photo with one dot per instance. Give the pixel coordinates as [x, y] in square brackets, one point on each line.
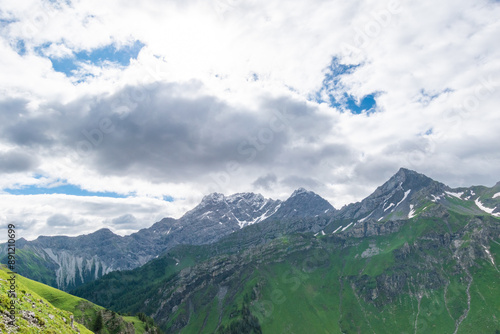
[303, 203]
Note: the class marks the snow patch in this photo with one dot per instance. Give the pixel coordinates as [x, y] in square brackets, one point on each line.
[264, 204]
[496, 195]
[436, 198]
[241, 223]
[265, 215]
[322, 232]
[457, 195]
[362, 220]
[404, 197]
[390, 206]
[345, 228]
[489, 255]
[411, 214]
[206, 214]
[485, 209]
[337, 229]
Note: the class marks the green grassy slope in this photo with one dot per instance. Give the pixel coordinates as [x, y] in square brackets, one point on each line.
[83, 311]
[39, 269]
[35, 314]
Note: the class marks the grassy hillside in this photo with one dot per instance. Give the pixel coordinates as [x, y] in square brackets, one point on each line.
[85, 314]
[35, 313]
[40, 270]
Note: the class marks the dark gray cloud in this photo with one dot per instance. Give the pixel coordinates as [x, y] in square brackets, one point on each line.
[125, 221]
[21, 127]
[295, 182]
[266, 182]
[12, 162]
[59, 220]
[170, 132]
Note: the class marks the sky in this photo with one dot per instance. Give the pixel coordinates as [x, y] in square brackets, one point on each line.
[119, 113]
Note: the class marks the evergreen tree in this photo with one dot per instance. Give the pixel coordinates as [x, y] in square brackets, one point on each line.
[99, 323]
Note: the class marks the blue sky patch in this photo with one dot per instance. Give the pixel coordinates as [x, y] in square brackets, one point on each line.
[5, 22]
[367, 103]
[108, 53]
[168, 198]
[19, 47]
[335, 93]
[67, 189]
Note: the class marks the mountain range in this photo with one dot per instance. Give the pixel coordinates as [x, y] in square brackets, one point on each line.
[414, 256]
[67, 262]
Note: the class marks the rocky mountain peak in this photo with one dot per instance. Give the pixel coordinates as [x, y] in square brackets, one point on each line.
[212, 198]
[300, 191]
[399, 197]
[103, 231]
[405, 179]
[303, 203]
[250, 198]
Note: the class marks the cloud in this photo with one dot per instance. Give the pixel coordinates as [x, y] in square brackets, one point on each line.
[176, 133]
[227, 96]
[295, 182]
[74, 215]
[265, 182]
[125, 221]
[59, 220]
[13, 161]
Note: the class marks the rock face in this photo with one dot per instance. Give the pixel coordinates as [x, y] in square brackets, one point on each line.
[394, 199]
[67, 262]
[409, 193]
[218, 215]
[302, 204]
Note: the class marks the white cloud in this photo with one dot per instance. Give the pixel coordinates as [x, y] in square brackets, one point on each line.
[55, 214]
[434, 66]
[58, 51]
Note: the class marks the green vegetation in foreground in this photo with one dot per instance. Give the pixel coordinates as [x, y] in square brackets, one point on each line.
[86, 314]
[34, 313]
[35, 265]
